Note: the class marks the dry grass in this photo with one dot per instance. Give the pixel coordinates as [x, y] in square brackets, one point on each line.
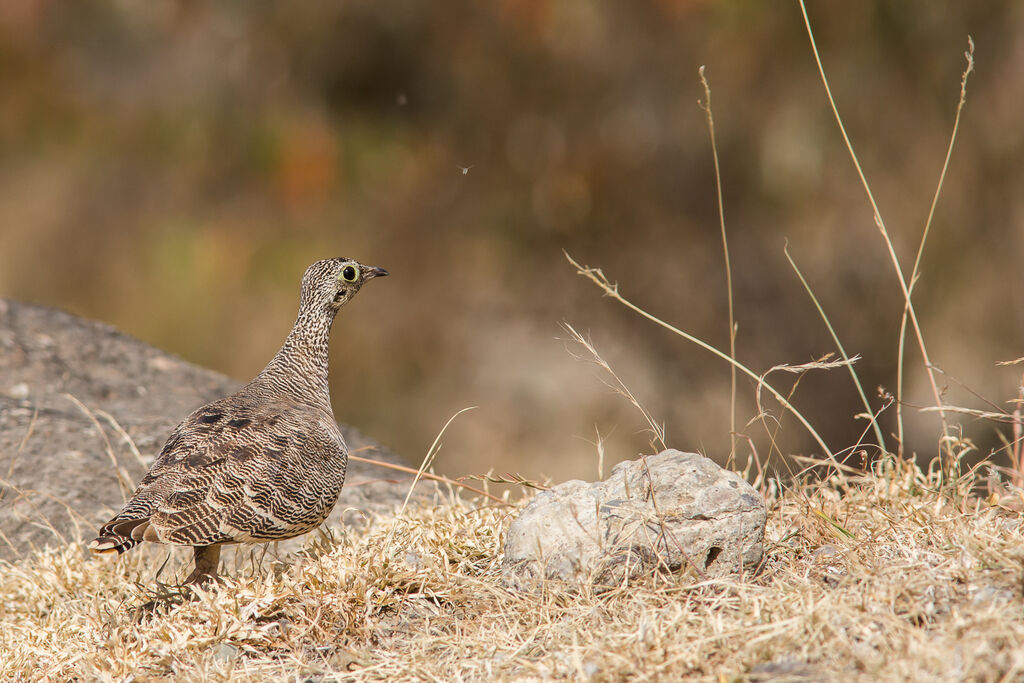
[927, 588]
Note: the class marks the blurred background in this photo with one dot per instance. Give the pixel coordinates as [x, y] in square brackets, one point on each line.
[172, 167]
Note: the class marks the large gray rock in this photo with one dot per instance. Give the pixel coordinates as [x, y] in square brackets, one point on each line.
[664, 512]
[67, 386]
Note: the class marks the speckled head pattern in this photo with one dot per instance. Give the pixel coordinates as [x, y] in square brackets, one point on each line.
[330, 283]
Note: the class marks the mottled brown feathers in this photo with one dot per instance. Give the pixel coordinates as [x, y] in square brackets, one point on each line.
[266, 463]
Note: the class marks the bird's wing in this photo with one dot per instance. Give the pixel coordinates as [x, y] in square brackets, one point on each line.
[234, 472]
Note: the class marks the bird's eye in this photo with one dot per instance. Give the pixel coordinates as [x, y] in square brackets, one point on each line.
[349, 273]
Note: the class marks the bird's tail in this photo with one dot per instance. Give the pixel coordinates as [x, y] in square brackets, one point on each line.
[119, 536]
[103, 545]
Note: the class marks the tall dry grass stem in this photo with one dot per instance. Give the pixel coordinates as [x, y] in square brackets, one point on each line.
[871, 416]
[880, 223]
[123, 479]
[428, 459]
[618, 386]
[915, 273]
[1017, 449]
[706, 106]
[611, 290]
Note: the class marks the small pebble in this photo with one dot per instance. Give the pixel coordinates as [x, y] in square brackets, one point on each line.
[413, 559]
[991, 594]
[825, 552]
[225, 652]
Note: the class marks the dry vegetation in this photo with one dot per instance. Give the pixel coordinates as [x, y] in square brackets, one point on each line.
[881, 577]
[885, 570]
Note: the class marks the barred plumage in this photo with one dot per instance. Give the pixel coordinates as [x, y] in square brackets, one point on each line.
[264, 464]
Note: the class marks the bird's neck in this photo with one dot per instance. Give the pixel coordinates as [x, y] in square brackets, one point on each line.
[299, 369]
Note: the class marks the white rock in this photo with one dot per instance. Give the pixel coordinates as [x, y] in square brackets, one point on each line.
[664, 512]
[19, 391]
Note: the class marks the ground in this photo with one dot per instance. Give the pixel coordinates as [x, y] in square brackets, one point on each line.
[877, 575]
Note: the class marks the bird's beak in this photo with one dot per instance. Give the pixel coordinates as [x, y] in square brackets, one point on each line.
[374, 271]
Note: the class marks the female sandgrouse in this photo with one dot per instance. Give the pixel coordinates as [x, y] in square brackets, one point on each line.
[264, 464]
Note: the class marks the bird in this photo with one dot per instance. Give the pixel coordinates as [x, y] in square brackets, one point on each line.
[264, 464]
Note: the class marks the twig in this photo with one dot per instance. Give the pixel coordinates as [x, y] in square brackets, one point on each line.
[506, 478]
[426, 475]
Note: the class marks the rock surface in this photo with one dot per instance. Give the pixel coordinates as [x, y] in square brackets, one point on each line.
[68, 387]
[664, 512]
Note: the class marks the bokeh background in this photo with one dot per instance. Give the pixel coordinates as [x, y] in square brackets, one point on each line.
[172, 167]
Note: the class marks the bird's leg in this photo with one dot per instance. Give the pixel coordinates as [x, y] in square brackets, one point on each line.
[207, 558]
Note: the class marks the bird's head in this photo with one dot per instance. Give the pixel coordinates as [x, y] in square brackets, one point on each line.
[332, 282]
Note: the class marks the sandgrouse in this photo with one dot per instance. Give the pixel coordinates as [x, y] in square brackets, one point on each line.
[264, 464]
